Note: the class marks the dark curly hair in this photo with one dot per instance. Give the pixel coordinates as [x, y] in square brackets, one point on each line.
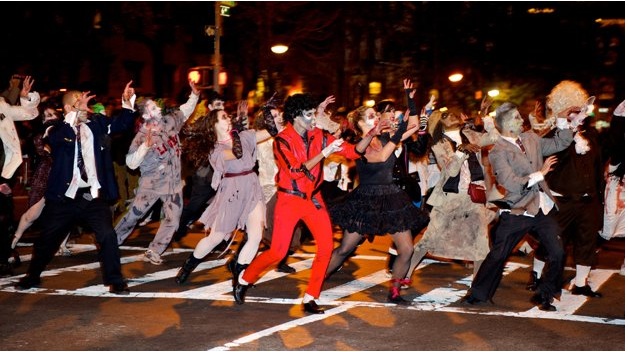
[199, 139]
[296, 104]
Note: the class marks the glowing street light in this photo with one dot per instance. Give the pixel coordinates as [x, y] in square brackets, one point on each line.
[493, 93]
[279, 49]
[456, 77]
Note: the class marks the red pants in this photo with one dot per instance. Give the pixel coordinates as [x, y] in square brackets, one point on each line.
[288, 211]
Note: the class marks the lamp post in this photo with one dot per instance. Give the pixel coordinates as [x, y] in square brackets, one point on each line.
[217, 60]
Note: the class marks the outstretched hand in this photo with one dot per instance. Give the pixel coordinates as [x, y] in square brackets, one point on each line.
[195, 90]
[273, 102]
[128, 91]
[409, 88]
[84, 100]
[335, 146]
[26, 86]
[320, 110]
[548, 164]
[486, 103]
[241, 120]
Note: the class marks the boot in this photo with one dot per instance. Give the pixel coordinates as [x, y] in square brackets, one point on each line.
[235, 271]
[188, 266]
[239, 292]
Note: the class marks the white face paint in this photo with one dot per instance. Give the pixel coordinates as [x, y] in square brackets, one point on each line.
[370, 117]
[307, 118]
[152, 111]
[515, 124]
[216, 105]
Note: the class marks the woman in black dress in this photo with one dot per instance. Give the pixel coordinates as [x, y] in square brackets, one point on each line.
[378, 206]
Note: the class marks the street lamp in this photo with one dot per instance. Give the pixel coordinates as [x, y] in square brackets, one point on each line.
[455, 77]
[493, 93]
[279, 49]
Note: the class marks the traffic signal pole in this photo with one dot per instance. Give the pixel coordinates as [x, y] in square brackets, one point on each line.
[217, 58]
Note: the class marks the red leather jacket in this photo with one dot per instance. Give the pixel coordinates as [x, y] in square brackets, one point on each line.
[291, 152]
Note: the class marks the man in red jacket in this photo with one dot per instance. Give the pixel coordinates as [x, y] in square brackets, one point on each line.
[299, 150]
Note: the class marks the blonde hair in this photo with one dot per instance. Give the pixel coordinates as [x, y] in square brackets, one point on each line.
[565, 95]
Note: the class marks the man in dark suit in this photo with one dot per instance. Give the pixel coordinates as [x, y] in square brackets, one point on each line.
[81, 183]
[517, 161]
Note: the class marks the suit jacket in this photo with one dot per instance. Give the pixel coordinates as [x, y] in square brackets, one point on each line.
[512, 168]
[62, 140]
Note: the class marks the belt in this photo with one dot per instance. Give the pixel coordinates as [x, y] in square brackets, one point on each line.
[300, 195]
[293, 192]
[236, 174]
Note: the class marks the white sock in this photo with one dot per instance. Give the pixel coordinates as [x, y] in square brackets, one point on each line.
[241, 281]
[307, 297]
[538, 267]
[582, 273]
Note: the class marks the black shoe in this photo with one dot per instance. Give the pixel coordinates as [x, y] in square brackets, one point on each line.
[398, 300]
[235, 268]
[312, 307]
[585, 290]
[119, 289]
[285, 268]
[27, 282]
[188, 266]
[534, 282]
[469, 299]
[239, 293]
[543, 303]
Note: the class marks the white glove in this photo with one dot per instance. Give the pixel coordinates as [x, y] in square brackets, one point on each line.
[333, 147]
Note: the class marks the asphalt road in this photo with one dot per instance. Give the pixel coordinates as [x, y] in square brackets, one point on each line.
[72, 310]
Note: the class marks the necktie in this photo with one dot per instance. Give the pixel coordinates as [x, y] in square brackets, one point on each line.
[523, 149]
[79, 162]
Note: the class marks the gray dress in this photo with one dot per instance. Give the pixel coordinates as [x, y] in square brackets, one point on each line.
[236, 196]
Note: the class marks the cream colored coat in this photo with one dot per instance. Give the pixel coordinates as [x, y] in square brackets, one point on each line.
[8, 133]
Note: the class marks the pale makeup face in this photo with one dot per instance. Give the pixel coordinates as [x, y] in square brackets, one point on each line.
[515, 124]
[152, 111]
[216, 105]
[223, 125]
[278, 118]
[369, 120]
[306, 119]
[451, 121]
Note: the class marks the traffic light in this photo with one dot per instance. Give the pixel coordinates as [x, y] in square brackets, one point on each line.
[202, 76]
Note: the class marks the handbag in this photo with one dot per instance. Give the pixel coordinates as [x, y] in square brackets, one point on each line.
[477, 193]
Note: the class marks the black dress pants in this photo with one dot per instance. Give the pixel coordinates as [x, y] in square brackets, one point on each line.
[510, 230]
[59, 217]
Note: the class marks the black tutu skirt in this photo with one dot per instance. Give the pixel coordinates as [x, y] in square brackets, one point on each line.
[377, 210]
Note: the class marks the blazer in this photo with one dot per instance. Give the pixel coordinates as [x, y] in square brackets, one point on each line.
[512, 168]
[62, 140]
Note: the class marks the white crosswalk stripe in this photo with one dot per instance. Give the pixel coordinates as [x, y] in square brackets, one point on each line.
[437, 299]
